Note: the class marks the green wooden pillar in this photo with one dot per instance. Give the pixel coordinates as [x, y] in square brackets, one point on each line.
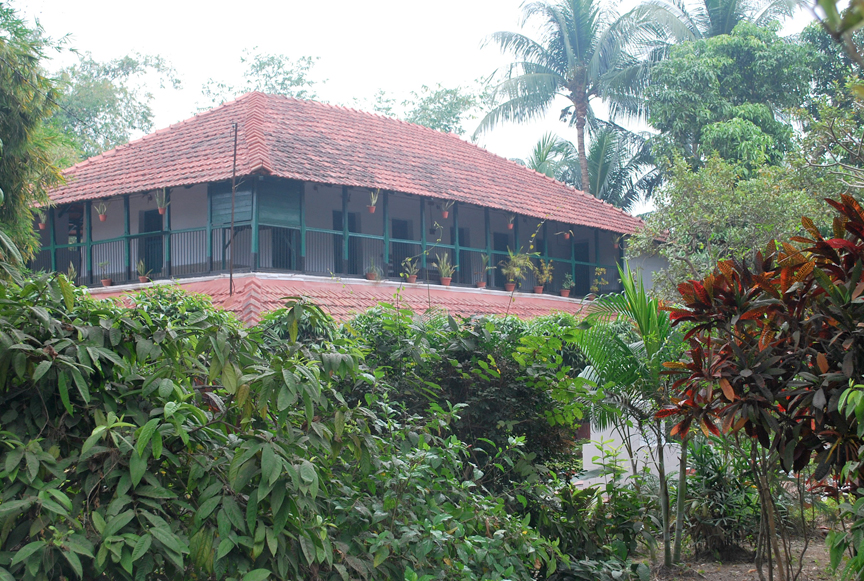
[52, 237]
[572, 255]
[167, 235]
[127, 243]
[488, 232]
[301, 266]
[423, 234]
[88, 245]
[255, 225]
[456, 253]
[209, 231]
[596, 248]
[345, 232]
[516, 248]
[544, 252]
[386, 209]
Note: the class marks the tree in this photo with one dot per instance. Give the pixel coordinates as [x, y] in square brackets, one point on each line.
[27, 98]
[103, 103]
[580, 56]
[441, 109]
[629, 369]
[620, 165]
[268, 73]
[727, 94]
[701, 19]
[718, 212]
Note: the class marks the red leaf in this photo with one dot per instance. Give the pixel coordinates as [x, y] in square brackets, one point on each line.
[727, 389]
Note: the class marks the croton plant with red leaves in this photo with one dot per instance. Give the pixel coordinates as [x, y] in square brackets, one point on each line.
[774, 343]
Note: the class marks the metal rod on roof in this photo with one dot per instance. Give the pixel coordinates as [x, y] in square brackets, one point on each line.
[233, 195]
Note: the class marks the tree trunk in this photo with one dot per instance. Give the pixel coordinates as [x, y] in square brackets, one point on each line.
[583, 156]
[664, 496]
[680, 504]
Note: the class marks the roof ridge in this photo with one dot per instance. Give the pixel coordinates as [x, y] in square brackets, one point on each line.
[257, 150]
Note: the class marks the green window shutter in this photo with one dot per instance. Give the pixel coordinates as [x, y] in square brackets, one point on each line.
[279, 203]
[221, 206]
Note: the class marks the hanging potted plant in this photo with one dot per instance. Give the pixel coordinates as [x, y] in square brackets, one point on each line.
[162, 201]
[103, 269]
[445, 209]
[143, 273]
[101, 209]
[485, 259]
[510, 222]
[40, 218]
[566, 285]
[373, 272]
[373, 200]
[542, 275]
[445, 268]
[410, 269]
[566, 234]
[514, 268]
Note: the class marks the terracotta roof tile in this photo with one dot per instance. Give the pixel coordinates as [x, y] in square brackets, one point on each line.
[314, 142]
[254, 296]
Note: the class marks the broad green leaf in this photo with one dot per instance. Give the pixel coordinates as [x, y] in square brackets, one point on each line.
[308, 549]
[41, 370]
[63, 388]
[169, 539]
[24, 553]
[137, 467]
[114, 525]
[74, 562]
[6, 575]
[207, 507]
[225, 547]
[83, 389]
[142, 546]
[232, 511]
[67, 292]
[145, 435]
[257, 575]
[14, 507]
[271, 466]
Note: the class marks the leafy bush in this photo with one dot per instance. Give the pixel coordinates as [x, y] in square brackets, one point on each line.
[160, 442]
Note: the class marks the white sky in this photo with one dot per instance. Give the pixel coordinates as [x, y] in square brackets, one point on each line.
[395, 45]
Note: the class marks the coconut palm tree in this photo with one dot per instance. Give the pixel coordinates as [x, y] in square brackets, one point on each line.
[698, 19]
[621, 170]
[580, 56]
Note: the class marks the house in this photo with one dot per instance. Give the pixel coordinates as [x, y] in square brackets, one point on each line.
[322, 196]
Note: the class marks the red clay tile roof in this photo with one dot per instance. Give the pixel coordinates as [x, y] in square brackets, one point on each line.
[314, 142]
[254, 296]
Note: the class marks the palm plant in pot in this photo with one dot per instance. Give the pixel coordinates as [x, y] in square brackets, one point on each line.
[41, 218]
[162, 201]
[445, 268]
[445, 209]
[515, 268]
[485, 267]
[143, 273]
[510, 222]
[373, 200]
[542, 275]
[373, 272]
[101, 209]
[103, 270]
[410, 269]
[566, 285]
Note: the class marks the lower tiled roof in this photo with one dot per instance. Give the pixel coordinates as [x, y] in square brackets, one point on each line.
[255, 295]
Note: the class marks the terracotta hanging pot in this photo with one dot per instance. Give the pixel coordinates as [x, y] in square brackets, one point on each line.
[445, 214]
[103, 217]
[161, 211]
[538, 290]
[41, 226]
[509, 286]
[565, 292]
[566, 236]
[371, 209]
[445, 281]
[509, 226]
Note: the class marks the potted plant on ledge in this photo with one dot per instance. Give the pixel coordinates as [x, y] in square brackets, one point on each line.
[143, 273]
[542, 275]
[445, 209]
[101, 209]
[515, 268]
[162, 201]
[410, 269]
[103, 269]
[566, 285]
[445, 268]
[485, 259]
[373, 272]
[373, 200]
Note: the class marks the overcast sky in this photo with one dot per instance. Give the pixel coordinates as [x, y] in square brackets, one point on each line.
[395, 45]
